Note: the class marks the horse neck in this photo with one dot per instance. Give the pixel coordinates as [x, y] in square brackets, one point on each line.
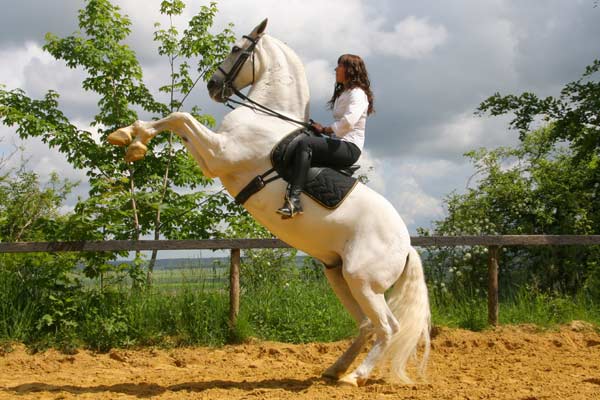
[281, 82]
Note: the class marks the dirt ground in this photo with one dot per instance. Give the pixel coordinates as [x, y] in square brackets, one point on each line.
[506, 363]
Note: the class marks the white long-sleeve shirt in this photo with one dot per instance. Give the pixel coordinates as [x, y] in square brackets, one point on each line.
[350, 115]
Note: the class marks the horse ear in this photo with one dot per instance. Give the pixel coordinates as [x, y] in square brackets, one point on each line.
[260, 29]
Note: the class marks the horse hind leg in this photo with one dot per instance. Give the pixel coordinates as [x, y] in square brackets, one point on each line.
[337, 369]
[384, 323]
[342, 291]
[401, 323]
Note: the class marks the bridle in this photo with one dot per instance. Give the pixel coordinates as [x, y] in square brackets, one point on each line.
[232, 75]
[237, 66]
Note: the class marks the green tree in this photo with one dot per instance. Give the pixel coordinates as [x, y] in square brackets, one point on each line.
[161, 195]
[29, 210]
[548, 184]
[36, 290]
[531, 189]
[575, 113]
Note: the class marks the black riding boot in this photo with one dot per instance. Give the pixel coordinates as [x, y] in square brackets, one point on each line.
[292, 204]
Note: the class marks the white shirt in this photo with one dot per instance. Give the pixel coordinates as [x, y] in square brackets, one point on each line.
[350, 115]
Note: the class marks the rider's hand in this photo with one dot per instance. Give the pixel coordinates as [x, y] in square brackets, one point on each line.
[316, 127]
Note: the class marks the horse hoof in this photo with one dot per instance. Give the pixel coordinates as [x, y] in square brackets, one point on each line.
[331, 373]
[120, 137]
[135, 152]
[348, 380]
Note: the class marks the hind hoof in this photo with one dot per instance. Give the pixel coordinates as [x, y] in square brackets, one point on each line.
[331, 373]
[120, 137]
[350, 380]
[135, 152]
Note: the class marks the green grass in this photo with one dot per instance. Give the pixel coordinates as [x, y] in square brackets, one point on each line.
[191, 307]
[296, 311]
[546, 310]
[16, 310]
[468, 309]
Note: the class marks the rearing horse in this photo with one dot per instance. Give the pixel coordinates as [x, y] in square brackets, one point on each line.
[364, 244]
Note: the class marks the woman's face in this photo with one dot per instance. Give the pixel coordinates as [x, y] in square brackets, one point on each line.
[340, 74]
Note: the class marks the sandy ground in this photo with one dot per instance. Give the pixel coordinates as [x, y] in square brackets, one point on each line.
[506, 363]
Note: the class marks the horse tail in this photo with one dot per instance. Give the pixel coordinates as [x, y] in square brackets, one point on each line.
[409, 302]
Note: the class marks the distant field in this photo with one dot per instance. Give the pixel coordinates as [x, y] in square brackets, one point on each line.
[201, 278]
[196, 273]
[172, 274]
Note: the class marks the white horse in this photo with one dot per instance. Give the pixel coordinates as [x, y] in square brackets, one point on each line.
[364, 244]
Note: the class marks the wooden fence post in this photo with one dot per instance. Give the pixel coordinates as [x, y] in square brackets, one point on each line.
[493, 252]
[234, 287]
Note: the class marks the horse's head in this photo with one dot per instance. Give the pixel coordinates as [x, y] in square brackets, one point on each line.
[235, 73]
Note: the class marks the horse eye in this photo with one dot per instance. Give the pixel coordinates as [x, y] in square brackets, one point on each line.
[235, 49]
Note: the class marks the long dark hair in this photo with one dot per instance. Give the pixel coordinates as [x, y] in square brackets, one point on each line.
[356, 77]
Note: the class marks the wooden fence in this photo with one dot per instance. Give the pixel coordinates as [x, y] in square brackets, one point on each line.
[493, 243]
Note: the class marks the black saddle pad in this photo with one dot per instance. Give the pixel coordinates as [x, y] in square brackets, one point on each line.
[327, 186]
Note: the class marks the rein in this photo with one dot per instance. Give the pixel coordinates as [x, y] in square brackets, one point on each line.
[262, 108]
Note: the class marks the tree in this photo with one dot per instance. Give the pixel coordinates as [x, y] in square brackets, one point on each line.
[159, 196]
[575, 113]
[531, 189]
[548, 184]
[29, 210]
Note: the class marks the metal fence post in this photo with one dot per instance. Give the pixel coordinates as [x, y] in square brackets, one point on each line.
[493, 252]
[234, 287]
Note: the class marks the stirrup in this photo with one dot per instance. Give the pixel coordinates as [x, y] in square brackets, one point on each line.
[286, 213]
[289, 210]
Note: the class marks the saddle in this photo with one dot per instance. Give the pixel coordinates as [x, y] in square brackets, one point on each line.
[327, 186]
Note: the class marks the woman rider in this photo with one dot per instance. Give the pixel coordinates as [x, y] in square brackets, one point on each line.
[351, 102]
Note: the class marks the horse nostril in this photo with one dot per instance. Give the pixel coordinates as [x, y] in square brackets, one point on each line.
[211, 84]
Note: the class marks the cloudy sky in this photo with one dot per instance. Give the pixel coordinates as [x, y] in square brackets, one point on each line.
[431, 64]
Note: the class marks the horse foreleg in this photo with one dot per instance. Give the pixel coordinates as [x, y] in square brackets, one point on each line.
[342, 291]
[135, 136]
[204, 145]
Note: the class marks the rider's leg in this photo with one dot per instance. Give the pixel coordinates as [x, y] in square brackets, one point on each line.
[302, 162]
[319, 151]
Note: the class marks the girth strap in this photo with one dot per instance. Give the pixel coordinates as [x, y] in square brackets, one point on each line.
[254, 186]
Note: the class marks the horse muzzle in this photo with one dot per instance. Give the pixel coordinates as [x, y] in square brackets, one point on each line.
[218, 91]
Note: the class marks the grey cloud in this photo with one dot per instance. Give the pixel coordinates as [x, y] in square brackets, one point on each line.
[555, 42]
[74, 101]
[546, 46]
[30, 20]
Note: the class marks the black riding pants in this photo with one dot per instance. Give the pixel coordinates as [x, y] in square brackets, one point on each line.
[322, 152]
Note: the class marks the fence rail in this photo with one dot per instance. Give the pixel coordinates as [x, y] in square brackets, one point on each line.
[494, 243]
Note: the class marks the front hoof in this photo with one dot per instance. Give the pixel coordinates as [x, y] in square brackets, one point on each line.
[120, 137]
[135, 152]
